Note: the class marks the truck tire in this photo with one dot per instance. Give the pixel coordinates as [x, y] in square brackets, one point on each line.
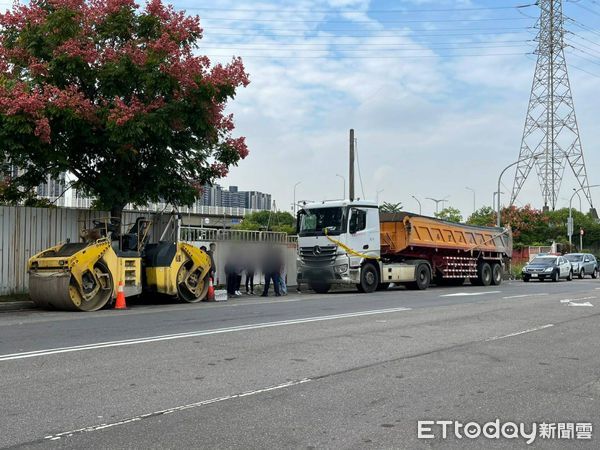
[484, 275]
[496, 274]
[320, 287]
[423, 278]
[369, 279]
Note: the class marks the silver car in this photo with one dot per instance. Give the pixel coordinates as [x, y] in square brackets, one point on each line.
[583, 264]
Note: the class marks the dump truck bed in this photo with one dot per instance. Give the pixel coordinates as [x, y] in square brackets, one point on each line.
[407, 231]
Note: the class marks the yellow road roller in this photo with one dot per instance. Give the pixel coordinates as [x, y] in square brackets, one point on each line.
[85, 276]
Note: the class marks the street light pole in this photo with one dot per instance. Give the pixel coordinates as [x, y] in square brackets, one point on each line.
[420, 209]
[438, 201]
[570, 225]
[473, 191]
[295, 186]
[500, 178]
[344, 180]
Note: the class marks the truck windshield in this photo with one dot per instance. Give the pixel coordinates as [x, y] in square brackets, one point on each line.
[312, 221]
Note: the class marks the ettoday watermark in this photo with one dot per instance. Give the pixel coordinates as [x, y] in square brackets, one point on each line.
[443, 429]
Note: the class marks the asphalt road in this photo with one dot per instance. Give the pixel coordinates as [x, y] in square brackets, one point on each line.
[342, 370]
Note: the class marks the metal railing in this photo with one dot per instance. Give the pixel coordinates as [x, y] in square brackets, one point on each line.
[195, 234]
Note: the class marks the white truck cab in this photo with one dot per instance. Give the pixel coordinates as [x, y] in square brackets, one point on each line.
[339, 243]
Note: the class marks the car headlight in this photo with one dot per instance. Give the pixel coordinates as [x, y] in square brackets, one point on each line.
[549, 269]
[341, 268]
[524, 269]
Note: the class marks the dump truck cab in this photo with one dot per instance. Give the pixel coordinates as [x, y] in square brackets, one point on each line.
[335, 239]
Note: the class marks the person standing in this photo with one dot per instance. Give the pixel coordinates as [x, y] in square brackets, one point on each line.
[249, 268]
[271, 267]
[211, 254]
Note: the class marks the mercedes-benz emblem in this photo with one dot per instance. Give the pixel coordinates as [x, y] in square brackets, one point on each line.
[316, 250]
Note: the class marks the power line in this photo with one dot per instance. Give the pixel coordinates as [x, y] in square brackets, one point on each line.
[400, 33]
[374, 57]
[584, 7]
[363, 22]
[370, 11]
[335, 47]
[391, 33]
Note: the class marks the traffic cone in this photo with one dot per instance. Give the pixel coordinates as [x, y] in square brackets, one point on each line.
[120, 303]
[210, 296]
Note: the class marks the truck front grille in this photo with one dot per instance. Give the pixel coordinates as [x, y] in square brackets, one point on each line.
[318, 255]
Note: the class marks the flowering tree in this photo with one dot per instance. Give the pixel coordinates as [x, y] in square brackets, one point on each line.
[114, 94]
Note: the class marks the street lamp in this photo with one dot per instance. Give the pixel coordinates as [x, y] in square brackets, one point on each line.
[473, 191]
[500, 178]
[295, 186]
[494, 198]
[420, 213]
[377, 196]
[344, 180]
[570, 224]
[438, 201]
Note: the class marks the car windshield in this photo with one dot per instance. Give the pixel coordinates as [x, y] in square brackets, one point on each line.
[543, 261]
[574, 258]
[313, 221]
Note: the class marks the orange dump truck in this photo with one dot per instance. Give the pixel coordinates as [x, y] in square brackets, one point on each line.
[454, 251]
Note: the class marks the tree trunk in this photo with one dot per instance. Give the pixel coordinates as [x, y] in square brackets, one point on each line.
[116, 212]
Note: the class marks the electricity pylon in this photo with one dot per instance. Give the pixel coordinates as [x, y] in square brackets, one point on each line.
[551, 135]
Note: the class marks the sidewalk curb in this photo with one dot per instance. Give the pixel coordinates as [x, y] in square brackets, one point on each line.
[16, 306]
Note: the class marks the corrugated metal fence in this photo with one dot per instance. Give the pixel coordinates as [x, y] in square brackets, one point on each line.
[27, 231]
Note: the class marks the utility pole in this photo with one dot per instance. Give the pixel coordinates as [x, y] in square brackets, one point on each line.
[551, 130]
[351, 175]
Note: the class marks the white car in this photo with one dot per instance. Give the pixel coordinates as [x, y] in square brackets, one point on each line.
[548, 267]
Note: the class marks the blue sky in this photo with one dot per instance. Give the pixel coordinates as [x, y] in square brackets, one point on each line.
[437, 92]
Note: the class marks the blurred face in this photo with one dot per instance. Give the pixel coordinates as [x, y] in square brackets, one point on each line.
[213, 247]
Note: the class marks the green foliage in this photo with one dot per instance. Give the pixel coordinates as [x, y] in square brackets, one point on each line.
[391, 207]
[485, 217]
[281, 221]
[450, 214]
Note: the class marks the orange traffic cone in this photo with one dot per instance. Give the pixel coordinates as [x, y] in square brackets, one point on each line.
[120, 303]
[210, 296]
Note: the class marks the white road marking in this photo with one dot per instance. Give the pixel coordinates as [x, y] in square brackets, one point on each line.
[168, 337]
[470, 294]
[580, 304]
[531, 330]
[571, 300]
[103, 426]
[524, 295]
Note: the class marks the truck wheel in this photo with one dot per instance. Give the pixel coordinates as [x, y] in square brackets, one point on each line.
[485, 275]
[423, 278]
[369, 279]
[582, 274]
[320, 287]
[383, 286]
[496, 274]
